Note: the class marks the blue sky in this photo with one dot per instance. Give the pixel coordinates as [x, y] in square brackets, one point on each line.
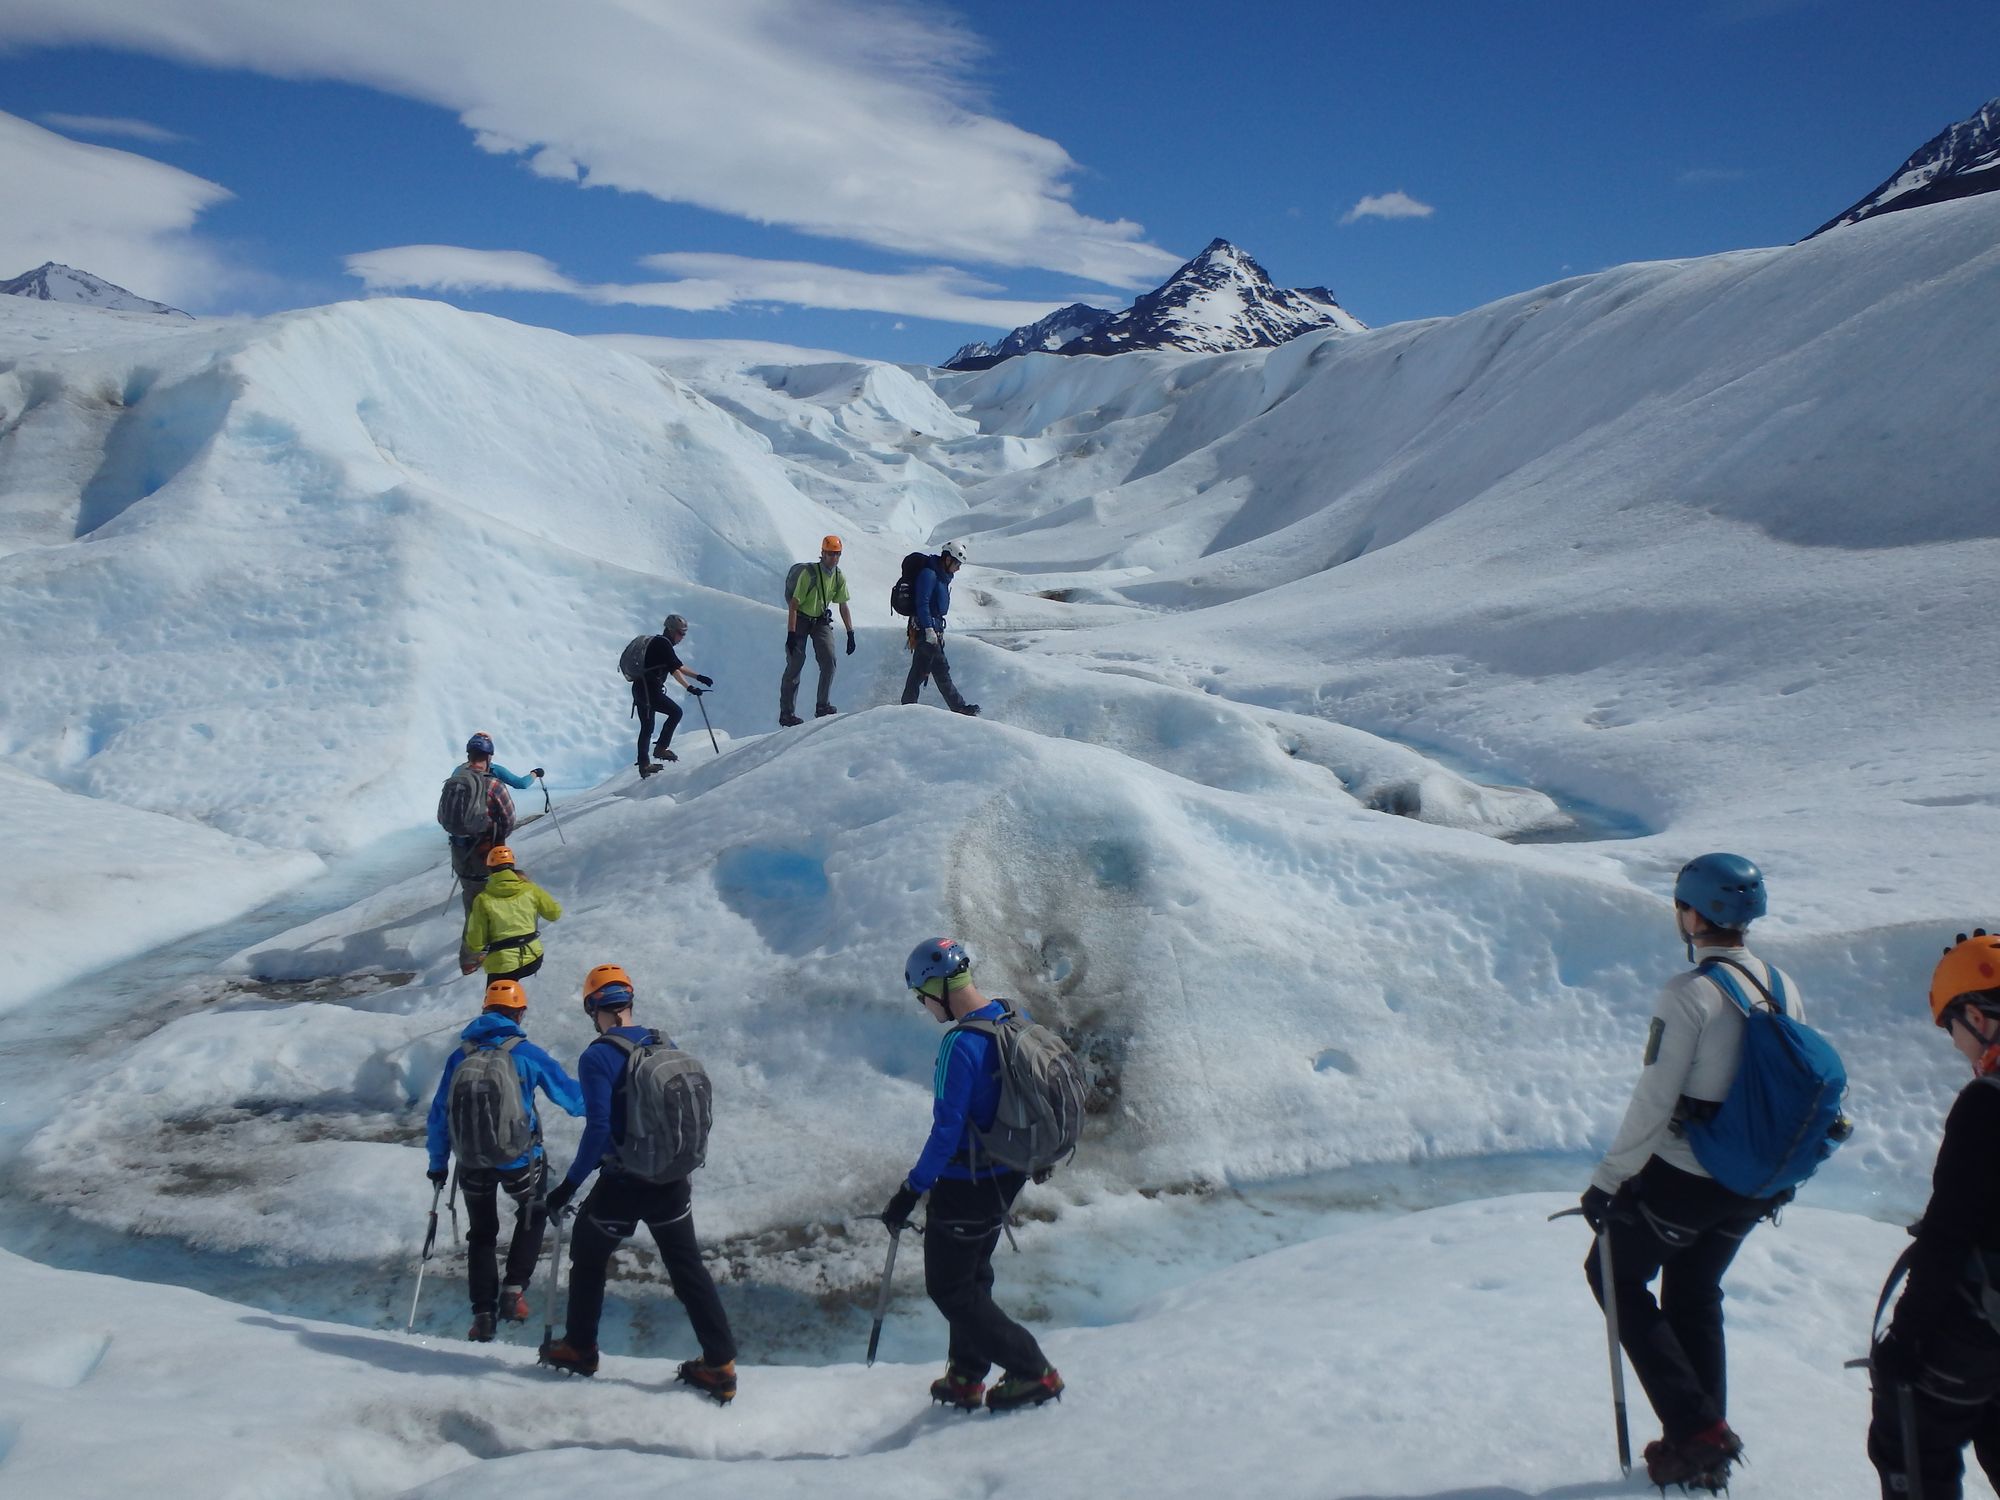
[894, 180]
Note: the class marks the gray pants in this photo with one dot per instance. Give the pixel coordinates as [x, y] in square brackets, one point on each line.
[928, 661]
[821, 632]
[469, 865]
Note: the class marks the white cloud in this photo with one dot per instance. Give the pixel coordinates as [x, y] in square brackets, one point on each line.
[1396, 205]
[123, 217]
[706, 283]
[845, 118]
[132, 130]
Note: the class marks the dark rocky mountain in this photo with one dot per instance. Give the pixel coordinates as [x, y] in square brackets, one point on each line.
[1220, 300]
[50, 282]
[1955, 163]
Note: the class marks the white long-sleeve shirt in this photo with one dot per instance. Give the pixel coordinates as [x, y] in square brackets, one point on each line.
[1692, 1047]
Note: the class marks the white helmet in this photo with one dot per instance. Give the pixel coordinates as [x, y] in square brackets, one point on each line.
[956, 551]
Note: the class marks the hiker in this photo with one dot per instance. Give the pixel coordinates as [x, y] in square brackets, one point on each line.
[970, 1195]
[502, 925]
[816, 588]
[930, 601]
[644, 1177]
[484, 1114]
[476, 811]
[1942, 1350]
[1668, 1216]
[656, 660]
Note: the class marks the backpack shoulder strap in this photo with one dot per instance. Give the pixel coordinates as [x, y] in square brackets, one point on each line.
[1712, 970]
[624, 1044]
[511, 1043]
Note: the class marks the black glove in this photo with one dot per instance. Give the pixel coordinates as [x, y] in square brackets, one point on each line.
[439, 1178]
[704, 681]
[1596, 1204]
[559, 1196]
[693, 691]
[850, 643]
[1897, 1360]
[795, 639]
[536, 773]
[897, 1214]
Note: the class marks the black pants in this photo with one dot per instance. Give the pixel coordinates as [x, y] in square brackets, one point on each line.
[1685, 1229]
[959, 1239]
[1957, 1402]
[821, 631]
[482, 1188]
[649, 697]
[928, 662]
[610, 1216]
[468, 863]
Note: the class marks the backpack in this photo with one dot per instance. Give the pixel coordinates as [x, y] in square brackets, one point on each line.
[902, 593]
[486, 1115]
[669, 1105]
[1042, 1090]
[632, 660]
[1782, 1116]
[463, 810]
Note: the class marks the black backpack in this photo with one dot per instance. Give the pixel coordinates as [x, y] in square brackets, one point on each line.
[632, 660]
[463, 810]
[902, 594]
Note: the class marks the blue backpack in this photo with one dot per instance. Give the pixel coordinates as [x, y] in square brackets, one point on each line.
[1782, 1117]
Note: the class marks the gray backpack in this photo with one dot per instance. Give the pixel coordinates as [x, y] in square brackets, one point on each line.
[1042, 1091]
[484, 1111]
[669, 1105]
[632, 660]
[463, 805]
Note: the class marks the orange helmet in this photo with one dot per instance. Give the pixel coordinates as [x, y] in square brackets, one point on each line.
[1970, 965]
[829, 544]
[507, 993]
[499, 857]
[606, 987]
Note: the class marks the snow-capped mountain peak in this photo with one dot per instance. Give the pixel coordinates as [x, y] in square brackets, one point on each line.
[51, 282]
[1958, 162]
[1220, 300]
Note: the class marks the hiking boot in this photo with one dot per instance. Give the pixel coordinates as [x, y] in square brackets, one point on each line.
[789, 721]
[563, 1355]
[648, 768]
[1017, 1391]
[715, 1381]
[970, 710]
[962, 1391]
[660, 750]
[1700, 1463]
[828, 711]
[668, 755]
[513, 1304]
[481, 1331]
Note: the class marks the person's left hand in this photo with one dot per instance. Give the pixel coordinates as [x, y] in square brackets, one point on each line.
[704, 681]
[1596, 1204]
[897, 1214]
[559, 1196]
[850, 643]
[536, 773]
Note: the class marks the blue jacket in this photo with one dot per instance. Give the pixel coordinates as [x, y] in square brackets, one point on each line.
[537, 1070]
[518, 783]
[930, 598]
[965, 1092]
[598, 1071]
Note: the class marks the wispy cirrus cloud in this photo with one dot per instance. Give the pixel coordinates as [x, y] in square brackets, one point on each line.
[1396, 205]
[113, 125]
[117, 215]
[705, 282]
[846, 118]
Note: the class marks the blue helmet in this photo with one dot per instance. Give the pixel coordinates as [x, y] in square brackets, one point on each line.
[1725, 888]
[940, 958]
[481, 743]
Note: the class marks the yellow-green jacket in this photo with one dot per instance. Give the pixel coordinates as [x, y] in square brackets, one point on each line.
[506, 909]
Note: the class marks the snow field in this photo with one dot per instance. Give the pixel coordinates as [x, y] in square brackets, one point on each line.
[1454, 1351]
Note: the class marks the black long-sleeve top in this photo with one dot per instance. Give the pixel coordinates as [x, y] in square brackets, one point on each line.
[1962, 1216]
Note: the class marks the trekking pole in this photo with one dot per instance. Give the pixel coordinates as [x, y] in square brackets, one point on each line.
[451, 1203]
[424, 1260]
[1906, 1395]
[882, 1298]
[550, 808]
[1610, 1287]
[700, 701]
[555, 1275]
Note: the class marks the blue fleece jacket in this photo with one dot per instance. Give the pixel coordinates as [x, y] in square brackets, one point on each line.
[598, 1071]
[930, 598]
[537, 1070]
[518, 783]
[965, 1092]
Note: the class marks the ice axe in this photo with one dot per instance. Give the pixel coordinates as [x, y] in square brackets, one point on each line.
[1906, 1396]
[703, 706]
[548, 806]
[1610, 1299]
[424, 1260]
[882, 1297]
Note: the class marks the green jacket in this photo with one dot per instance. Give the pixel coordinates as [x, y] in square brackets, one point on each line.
[507, 908]
[818, 590]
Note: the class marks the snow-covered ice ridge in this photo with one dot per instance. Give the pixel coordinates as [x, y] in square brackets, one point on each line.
[1287, 657]
[1220, 300]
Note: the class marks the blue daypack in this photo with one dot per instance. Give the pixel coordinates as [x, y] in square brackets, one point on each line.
[1782, 1116]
